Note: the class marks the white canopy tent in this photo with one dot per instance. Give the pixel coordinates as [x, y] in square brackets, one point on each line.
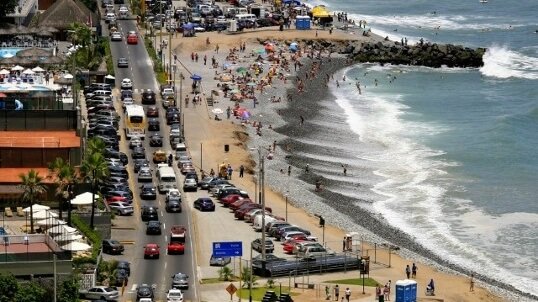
[36, 208]
[38, 69]
[44, 214]
[76, 246]
[83, 199]
[17, 68]
[61, 229]
[51, 221]
[68, 237]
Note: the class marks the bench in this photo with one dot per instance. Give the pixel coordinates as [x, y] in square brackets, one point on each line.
[304, 285]
[8, 212]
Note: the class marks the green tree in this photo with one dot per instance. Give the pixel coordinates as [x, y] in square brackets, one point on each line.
[94, 169]
[7, 7]
[66, 177]
[31, 292]
[8, 287]
[32, 186]
[68, 290]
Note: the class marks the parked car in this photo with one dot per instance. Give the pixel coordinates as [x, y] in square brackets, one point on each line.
[204, 204]
[257, 245]
[111, 246]
[121, 208]
[151, 250]
[125, 266]
[219, 261]
[100, 292]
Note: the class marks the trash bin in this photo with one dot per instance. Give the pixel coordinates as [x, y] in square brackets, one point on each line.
[226, 148]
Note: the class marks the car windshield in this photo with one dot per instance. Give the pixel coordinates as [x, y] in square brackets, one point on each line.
[175, 294]
[109, 289]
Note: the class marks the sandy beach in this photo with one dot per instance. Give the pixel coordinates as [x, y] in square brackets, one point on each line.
[206, 138]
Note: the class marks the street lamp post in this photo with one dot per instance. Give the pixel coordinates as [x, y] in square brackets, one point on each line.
[261, 178]
[250, 276]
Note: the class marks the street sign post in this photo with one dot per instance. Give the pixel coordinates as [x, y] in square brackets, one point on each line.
[231, 289]
[228, 249]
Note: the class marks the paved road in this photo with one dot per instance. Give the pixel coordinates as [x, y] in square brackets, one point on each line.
[158, 272]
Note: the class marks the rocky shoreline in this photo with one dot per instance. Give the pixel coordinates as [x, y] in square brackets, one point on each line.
[388, 52]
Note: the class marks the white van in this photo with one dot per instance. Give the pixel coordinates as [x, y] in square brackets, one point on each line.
[166, 178]
[245, 17]
[257, 225]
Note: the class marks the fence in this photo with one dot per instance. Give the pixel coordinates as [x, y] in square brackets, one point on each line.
[11, 120]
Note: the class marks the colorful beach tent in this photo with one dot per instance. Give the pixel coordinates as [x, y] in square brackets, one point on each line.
[320, 11]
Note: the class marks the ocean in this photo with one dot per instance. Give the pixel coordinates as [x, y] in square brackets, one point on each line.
[448, 156]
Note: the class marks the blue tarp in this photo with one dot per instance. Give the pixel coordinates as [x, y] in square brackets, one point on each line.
[296, 2]
[188, 26]
[196, 77]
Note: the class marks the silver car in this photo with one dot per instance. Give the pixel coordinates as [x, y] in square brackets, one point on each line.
[190, 184]
[121, 208]
[145, 175]
[100, 292]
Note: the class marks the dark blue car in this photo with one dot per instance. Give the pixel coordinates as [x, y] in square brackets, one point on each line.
[204, 204]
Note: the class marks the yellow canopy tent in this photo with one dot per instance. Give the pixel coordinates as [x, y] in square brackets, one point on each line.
[320, 11]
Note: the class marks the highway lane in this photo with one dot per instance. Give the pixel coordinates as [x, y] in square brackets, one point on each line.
[159, 271]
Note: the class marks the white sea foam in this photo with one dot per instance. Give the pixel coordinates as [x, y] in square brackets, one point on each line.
[435, 22]
[413, 194]
[503, 63]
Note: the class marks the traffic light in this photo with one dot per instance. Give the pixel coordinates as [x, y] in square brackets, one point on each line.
[321, 221]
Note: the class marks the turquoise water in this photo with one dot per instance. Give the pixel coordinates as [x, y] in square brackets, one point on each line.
[8, 52]
[451, 153]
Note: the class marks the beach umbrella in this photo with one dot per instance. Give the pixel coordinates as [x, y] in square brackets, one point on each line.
[44, 214]
[4, 71]
[36, 208]
[217, 111]
[259, 51]
[241, 70]
[67, 76]
[68, 237]
[17, 68]
[50, 221]
[83, 199]
[62, 229]
[76, 246]
[28, 71]
[245, 115]
[110, 77]
[196, 77]
[38, 69]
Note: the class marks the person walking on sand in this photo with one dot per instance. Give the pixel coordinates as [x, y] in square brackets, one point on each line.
[205, 59]
[348, 294]
[229, 170]
[408, 271]
[336, 292]
[345, 169]
[289, 170]
[307, 168]
[217, 48]
[241, 171]
[414, 269]
[302, 119]
[228, 112]
[274, 146]
[471, 283]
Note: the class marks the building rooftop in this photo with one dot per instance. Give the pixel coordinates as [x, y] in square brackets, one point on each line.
[11, 176]
[39, 139]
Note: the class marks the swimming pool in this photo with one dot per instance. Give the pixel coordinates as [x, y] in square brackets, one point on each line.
[8, 52]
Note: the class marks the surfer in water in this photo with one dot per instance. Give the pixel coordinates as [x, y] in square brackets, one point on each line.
[358, 84]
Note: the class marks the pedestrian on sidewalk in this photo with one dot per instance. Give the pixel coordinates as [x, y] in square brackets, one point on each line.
[327, 293]
[414, 269]
[241, 171]
[336, 292]
[229, 170]
[196, 57]
[408, 271]
[348, 294]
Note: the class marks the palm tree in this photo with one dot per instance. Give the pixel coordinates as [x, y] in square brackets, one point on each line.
[66, 176]
[94, 169]
[32, 186]
[95, 145]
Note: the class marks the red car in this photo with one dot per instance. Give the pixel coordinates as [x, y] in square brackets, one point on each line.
[228, 200]
[176, 248]
[151, 250]
[239, 203]
[118, 198]
[132, 38]
[289, 245]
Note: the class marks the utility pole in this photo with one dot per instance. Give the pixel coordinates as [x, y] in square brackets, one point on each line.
[262, 188]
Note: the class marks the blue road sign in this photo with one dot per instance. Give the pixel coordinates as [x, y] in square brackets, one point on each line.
[228, 249]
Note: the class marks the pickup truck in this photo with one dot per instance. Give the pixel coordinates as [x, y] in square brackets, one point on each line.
[178, 233]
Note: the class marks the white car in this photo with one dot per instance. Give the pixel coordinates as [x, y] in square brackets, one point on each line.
[126, 84]
[123, 9]
[121, 208]
[174, 295]
[110, 17]
[173, 194]
[100, 292]
[115, 36]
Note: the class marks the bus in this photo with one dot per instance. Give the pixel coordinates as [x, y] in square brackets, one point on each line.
[135, 123]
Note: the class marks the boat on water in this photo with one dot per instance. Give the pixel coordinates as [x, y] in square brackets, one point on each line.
[483, 1]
